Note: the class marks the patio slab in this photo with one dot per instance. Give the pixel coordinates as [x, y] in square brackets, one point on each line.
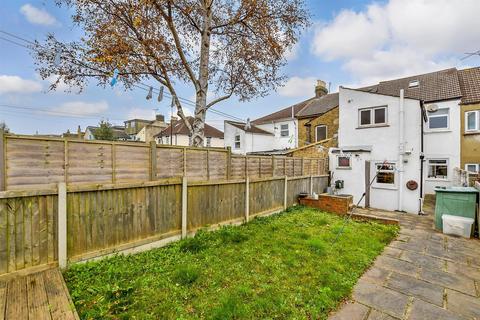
[422, 274]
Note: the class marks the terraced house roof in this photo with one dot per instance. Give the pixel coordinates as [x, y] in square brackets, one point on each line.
[318, 106]
[470, 85]
[429, 87]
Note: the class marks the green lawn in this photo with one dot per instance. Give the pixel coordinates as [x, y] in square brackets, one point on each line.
[278, 267]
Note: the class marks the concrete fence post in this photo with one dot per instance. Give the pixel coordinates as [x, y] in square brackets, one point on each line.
[62, 225]
[184, 207]
[153, 160]
[311, 185]
[285, 194]
[247, 199]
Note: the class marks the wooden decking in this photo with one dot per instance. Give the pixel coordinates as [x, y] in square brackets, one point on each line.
[41, 295]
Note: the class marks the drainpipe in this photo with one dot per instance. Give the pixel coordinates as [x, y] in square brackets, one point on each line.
[401, 149]
[422, 157]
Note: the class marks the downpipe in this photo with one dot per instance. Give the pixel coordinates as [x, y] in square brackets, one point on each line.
[401, 149]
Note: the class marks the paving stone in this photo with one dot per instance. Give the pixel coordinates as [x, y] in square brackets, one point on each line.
[391, 251]
[411, 246]
[377, 315]
[448, 255]
[397, 265]
[449, 280]
[380, 298]
[403, 237]
[417, 288]
[426, 311]
[471, 272]
[423, 260]
[376, 275]
[463, 304]
[351, 311]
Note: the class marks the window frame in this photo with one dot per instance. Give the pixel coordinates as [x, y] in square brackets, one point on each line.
[477, 121]
[208, 142]
[477, 167]
[235, 142]
[282, 130]
[392, 171]
[447, 164]
[372, 117]
[438, 116]
[349, 162]
[316, 132]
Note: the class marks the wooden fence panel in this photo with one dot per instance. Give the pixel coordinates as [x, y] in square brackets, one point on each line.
[253, 165]
[103, 219]
[289, 167]
[297, 165]
[32, 164]
[237, 167]
[295, 187]
[89, 163]
[266, 167]
[213, 203]
[217, 165]
[169, 162]
[266, 195]
[196, 165]
[132, 163]
[27, 232]
[279, 167]
[319, 184]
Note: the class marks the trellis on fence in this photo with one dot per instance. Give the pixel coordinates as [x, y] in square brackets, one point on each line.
[29, 162]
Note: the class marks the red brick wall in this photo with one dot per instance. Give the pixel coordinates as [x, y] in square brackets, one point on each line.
[329, 203]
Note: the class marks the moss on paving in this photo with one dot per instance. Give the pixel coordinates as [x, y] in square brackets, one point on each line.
[278, 267]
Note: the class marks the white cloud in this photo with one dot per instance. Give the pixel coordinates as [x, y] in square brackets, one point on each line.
[16, 84]
[38, 16]
[298, 87]
[141, 113]
[400, 37]
[61, 86]
[82, 108]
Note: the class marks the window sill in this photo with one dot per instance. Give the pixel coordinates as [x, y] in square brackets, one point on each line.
[437, 180]
[470, 133]
[373, 126]
[344, 168]
[437, 131]
[386, 187]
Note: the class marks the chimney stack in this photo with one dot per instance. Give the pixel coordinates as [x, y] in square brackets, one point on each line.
[320, 89]
[160, 117]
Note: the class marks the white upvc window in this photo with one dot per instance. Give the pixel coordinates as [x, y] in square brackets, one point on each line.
[385, 174]
[375, 116]
[320, 133]
[344, 162]
[237, 141]
[472, 167]
[472, 121]
[208, 142]
[439, 119]
[437, 169]
[284, 130]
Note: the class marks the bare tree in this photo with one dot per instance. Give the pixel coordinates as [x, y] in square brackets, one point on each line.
[235, 46]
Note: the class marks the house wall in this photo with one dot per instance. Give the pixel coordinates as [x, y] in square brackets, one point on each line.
[384, 142]
[469, 142]
[88, 135]
[184, 140]
[443, 144]
[330, 119]
[248, 142]
[280, 142]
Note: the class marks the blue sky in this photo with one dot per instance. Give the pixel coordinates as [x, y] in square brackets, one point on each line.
[350, 43]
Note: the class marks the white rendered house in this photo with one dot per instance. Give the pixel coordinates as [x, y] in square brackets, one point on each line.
[243, 139]
[403, 136]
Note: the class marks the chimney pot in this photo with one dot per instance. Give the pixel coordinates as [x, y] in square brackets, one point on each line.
[160, 117]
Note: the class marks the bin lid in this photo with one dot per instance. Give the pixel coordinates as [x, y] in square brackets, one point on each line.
[457, 218]
[456, 189]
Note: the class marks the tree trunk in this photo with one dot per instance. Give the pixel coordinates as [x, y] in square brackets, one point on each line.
[198, 134]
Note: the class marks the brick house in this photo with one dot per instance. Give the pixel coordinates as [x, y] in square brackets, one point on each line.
[470, 119]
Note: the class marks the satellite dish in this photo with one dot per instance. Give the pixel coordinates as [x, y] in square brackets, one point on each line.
[432, 108]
